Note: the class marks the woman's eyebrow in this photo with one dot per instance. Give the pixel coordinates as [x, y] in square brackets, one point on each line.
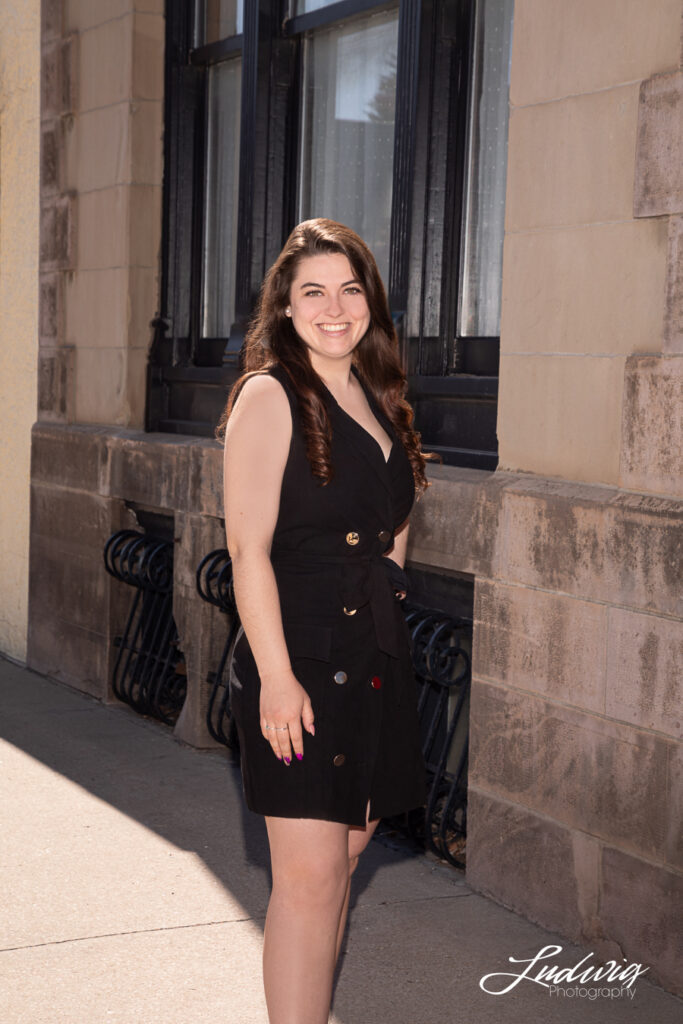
[312, 284]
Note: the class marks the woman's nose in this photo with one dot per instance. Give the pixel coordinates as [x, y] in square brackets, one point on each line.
[334, 306]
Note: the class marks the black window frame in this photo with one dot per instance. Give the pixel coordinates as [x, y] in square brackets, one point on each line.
[453, 382]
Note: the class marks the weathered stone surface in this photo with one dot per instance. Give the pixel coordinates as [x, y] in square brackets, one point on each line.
[640, 907]
[152, 470]
[202, 627]
[673, 313]
[530, 864]
[594, 542]
[67, 652]
[456, 524]
[50, 157]
[546, 643]
[644, 660]
[51, 19]
[55, 383]
[74, 458]
[57, 234]
[206, 477]
[588, 772]
[659, 152]
[51, 308]
[652, 424]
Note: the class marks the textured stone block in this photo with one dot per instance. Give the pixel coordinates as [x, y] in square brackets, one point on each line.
[456, 524]
[640, 907]
[530, 864]
[590, 773]
[659, 152]
[67, 652]
[51, 19]
[148, 56]
[57, 234]
[618, 270]
[547, 643]
[50, 157]
[75, 457]
[561, 49]
[206, 478]
[145, 221]
[147, 149]
[673, 313]
[571, 162]
[561, 415]
[97, 308]
[652, 425]
[644, 681]
[106, 63]
[103, 230]
[55, 383]
[595, 543]
[151, 471]
[97, 149]
[58, 76]
[51, 308]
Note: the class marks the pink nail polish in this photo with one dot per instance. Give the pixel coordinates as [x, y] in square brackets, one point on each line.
[287, 760]
[299, 756]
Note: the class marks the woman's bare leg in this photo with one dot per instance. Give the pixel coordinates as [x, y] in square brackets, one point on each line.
[358, 840]
[310, 865]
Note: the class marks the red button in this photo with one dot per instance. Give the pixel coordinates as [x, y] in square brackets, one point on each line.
[376, 682]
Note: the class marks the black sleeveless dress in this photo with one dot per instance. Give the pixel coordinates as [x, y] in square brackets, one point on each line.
[345, 632]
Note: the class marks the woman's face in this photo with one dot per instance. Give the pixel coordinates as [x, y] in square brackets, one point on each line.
[328, 306]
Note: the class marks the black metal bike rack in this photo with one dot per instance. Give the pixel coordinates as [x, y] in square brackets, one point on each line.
[149, 673]
[442, 664]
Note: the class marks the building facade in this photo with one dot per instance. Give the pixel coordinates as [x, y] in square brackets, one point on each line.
[518, 170]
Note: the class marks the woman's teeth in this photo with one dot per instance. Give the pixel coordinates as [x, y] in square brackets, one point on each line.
[333, 328]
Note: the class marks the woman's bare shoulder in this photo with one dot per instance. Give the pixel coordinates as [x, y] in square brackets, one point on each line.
[263, 395]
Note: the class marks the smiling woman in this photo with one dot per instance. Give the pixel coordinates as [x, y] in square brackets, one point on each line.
[321, 470]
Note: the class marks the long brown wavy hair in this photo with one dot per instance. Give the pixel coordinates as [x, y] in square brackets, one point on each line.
[271, 338]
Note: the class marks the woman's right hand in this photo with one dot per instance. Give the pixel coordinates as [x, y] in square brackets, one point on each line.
[284, 702]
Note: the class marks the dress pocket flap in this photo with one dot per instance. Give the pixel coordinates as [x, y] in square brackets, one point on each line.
[308, 640]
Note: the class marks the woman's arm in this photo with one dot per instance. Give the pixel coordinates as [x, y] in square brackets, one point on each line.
[257, 440]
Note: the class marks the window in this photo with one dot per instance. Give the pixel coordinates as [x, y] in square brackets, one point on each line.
[390, 117]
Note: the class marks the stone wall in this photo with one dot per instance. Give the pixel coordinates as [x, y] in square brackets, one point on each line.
[100, 233]
[576, 772]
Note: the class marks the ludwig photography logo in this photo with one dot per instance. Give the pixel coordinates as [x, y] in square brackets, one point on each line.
[595, 981]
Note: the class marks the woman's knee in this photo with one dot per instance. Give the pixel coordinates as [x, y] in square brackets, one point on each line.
[315, 880]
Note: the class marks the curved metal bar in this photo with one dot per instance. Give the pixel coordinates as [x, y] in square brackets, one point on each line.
[149, 672]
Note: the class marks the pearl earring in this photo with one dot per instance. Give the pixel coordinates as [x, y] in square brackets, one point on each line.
[288, 311]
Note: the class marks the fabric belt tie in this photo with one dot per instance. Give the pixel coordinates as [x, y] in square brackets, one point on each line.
[364, 579]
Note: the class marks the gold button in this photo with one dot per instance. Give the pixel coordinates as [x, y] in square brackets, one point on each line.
[350, 611]
[340, 677]
[338, 760]
[352, 537]
[384, 536]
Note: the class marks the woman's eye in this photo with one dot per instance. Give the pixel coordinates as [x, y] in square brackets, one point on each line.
[310, 294]
[354, 290]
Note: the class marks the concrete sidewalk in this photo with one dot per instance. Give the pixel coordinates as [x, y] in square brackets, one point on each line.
[136, 882]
